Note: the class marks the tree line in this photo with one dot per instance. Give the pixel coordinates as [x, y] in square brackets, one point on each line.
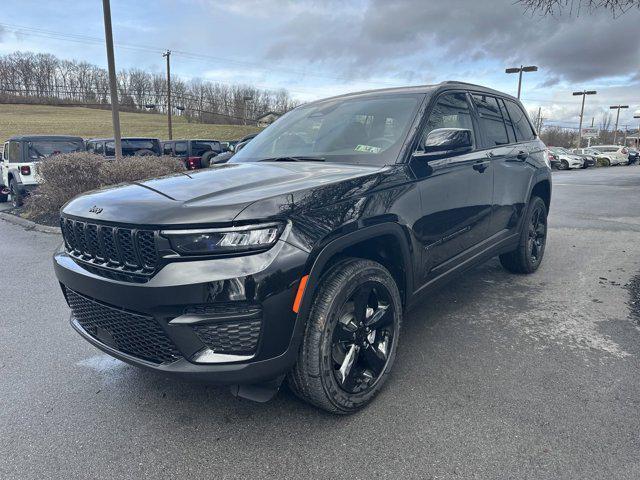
[44, 78]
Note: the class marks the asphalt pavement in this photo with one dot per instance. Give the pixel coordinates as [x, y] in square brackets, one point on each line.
[497, 376]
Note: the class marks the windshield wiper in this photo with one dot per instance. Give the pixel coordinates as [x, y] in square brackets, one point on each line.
[294, 159]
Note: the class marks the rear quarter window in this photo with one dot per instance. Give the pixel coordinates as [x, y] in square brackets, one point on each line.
[524, 131]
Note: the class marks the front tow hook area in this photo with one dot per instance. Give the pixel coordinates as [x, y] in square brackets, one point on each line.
[258, 392]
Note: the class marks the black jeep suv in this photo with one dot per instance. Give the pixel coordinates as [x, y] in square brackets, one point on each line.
[299, 257]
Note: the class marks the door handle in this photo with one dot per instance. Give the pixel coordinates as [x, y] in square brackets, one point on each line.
[522, 155]
[481, 166]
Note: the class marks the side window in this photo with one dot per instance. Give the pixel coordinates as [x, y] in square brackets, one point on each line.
[181, 148]
[450, 111]
[110, 148]
[166, 149]
[5, 151]
[91, 147]
[511, 133]
[14, 152]
[491, 120]
[524, 131]
[99, 148]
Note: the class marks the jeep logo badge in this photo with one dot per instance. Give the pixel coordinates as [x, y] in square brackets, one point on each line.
[95, 209]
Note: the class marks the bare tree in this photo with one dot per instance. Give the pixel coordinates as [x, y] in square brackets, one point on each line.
[576, 7]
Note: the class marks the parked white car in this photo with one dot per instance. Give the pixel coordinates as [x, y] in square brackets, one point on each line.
[564, 159]
[20, 156]
[614, 154]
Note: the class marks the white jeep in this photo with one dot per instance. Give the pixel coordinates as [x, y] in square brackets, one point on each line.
[20, 156]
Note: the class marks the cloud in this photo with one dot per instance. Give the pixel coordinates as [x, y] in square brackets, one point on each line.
[392, 33]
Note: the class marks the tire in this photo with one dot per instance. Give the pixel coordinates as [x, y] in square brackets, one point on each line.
[527, 256]
[3, 196]
[16, 195]
[340, 366]
[564, 165]
[207, 157]
[607, 162]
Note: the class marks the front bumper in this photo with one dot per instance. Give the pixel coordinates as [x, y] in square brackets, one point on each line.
[185, 296]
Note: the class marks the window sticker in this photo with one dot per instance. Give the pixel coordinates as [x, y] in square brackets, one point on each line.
[367, 149]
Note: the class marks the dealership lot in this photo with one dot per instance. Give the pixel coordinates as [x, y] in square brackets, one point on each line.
[498, 376]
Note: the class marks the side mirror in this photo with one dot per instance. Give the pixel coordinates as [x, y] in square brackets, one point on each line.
[445, 142]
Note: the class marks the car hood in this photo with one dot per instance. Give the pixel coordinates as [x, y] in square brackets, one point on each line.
[213, 195]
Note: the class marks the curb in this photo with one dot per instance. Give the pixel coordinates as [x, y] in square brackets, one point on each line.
[28, 224]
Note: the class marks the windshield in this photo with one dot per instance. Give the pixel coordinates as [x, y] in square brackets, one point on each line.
[46, 148]
[560, 150]
[357, 130]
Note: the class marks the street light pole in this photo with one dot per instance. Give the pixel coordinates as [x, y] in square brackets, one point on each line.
[246, 99]
[167, 54]
[113, 85]
[584, 94]
[519, 70]
[617, 107]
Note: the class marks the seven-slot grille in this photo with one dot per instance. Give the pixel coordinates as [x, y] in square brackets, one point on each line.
[112, 247]
[131, 333]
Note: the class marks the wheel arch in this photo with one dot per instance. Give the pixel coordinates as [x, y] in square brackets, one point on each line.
[542, 189]
[386, 243]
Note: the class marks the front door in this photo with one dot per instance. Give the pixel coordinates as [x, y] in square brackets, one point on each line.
[456, 191]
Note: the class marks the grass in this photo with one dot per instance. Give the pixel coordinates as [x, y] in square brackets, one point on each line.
[91, 122]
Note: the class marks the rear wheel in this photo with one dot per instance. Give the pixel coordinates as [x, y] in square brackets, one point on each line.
[16, 195]
[351, 337]
[527, 256]
[564, 165]
[4, 196]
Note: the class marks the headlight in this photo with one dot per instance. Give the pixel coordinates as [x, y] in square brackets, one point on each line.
[224, 240]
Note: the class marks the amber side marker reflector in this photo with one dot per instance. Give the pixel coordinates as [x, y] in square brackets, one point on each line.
[301, 287]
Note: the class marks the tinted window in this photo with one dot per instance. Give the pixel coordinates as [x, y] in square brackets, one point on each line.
[511, 133]
[450, 111]
[198, 148]
[521, 125]
[181, 148]
[166, 149]
[14, 152]
[491, 119]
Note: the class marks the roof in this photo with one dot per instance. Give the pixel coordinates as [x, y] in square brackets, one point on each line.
[44, 137]
[190, 140]
[419, 89]
[123, 138]
[266, 114]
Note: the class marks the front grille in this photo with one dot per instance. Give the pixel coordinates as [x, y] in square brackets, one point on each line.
[132, 333]
[104, 246]
[239, 337]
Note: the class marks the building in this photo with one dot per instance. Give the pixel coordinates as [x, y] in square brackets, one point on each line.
[267, 118]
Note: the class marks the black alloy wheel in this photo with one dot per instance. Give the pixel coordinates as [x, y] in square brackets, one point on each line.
[363, 338]
[537, 233]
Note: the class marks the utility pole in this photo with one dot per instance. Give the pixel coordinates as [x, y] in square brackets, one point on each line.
[519, 70]
[113, 85]
[638, 134]
[538, 120]
[625, 135]
[167, 54]
[584, 94]
[617, 107]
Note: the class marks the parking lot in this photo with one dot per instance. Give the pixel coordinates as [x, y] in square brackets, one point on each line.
[498, 376]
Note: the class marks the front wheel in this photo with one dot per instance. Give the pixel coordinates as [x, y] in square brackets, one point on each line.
[564, 165]
[527, 256]
[351, 337]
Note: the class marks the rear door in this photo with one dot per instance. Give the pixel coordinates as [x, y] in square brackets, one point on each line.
[455, 191]
[512, 168]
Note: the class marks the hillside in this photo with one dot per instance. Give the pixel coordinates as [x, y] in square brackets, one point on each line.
[90, 122]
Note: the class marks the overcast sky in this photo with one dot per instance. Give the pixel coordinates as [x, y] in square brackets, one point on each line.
[317, 49]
